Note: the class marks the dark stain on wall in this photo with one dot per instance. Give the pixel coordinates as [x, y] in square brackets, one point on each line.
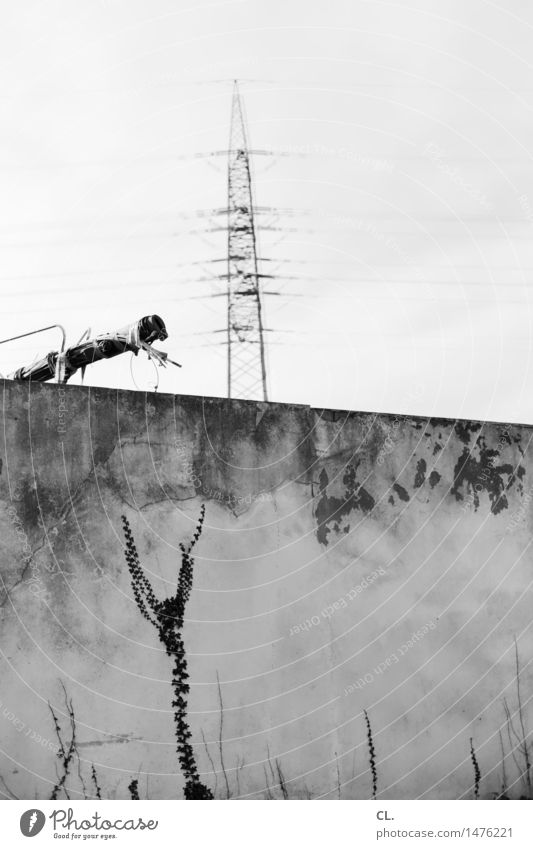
[504, 437]
[105, 431]
[473, 476]
[29, 506]
[401, 492]
[420, 476]
[330, 511]
[464, 430]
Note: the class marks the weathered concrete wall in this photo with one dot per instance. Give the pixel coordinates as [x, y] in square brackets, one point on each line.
[348, 562]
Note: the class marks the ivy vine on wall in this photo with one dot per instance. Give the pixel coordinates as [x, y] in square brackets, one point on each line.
[167, 617]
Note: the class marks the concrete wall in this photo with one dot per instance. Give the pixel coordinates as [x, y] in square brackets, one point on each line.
[348, 562]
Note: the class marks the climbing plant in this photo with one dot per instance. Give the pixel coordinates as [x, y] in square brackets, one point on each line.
[167, 617]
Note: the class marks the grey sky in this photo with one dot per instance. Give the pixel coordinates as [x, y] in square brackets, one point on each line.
[405, 195]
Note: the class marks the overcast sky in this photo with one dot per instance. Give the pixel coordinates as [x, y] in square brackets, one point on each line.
[405, 193]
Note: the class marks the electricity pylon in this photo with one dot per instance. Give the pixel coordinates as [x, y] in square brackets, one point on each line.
[246, 349]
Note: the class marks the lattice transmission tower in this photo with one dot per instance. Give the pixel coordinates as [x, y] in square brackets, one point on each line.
[246, 349]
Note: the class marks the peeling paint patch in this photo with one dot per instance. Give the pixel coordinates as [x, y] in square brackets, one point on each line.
[434, 478]
[401, 492]
[464, 430]
[330, 511]
[420, 476]
[473, 476]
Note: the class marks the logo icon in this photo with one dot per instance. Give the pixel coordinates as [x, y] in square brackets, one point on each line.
[32, 822]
